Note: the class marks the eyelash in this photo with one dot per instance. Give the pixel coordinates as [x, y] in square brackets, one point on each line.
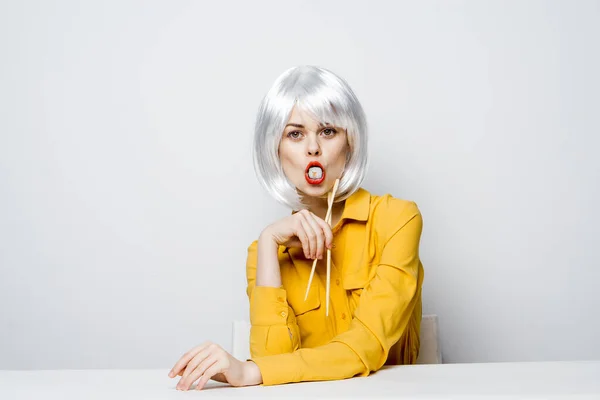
[326, 129]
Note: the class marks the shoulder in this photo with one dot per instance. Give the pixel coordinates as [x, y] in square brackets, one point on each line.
[388, 214]
[253, 246]
[252, 256]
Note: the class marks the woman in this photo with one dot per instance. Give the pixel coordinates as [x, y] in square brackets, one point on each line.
[310, 131]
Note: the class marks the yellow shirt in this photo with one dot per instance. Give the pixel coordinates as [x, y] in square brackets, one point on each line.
[375, 298]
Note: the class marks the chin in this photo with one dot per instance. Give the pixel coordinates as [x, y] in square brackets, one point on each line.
[314, 190]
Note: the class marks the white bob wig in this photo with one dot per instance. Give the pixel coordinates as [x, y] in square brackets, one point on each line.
[329, 99]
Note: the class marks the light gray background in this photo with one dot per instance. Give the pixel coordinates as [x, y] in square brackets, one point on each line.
[128, 198]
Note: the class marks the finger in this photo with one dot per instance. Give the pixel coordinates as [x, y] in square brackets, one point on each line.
[187, 382]
[312, 236]
[315, 236]
[327, 232]
[182, 362]
[301, 234]
[220, 377]
[186, 358]
[198, 358]
[211, 371]
[320, 238]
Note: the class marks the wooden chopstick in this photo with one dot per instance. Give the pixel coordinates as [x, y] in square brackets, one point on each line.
[330, 212]
[328, 216]
[312, 272]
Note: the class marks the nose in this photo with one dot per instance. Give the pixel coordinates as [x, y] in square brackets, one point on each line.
[313, 147]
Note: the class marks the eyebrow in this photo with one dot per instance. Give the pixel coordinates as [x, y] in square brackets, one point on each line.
[302, 126]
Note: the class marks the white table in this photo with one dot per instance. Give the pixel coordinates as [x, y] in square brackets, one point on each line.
[447, 381]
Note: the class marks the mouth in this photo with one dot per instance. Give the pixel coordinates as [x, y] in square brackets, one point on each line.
[314, 173]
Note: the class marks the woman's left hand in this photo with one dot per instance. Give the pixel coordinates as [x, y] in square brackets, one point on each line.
[209, 360]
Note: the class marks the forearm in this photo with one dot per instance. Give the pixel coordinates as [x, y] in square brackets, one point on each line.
[274, 329]
[332, 361]
[267, 268]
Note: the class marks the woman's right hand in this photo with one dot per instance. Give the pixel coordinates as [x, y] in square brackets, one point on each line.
[302, 229]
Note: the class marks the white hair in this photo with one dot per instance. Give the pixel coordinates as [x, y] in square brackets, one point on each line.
[330, 99]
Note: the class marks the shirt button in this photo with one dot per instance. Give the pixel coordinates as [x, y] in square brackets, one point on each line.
[343, 315]
[337, 281]
[280, 299]
[283, 314]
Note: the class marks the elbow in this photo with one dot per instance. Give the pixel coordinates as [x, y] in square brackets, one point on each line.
[272, 340]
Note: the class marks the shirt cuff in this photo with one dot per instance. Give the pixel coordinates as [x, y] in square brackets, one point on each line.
[268, 306]
[278, 368]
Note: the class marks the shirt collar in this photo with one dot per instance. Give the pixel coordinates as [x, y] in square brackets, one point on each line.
[356, 207]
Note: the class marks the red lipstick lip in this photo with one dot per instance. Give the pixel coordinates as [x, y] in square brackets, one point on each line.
[310, 180]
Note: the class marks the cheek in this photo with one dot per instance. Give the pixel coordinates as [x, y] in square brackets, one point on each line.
[289, 153]
[341, 156]
[283, 154]
[287, 160]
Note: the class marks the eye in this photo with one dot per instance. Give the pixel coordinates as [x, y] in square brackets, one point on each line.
[333, 131]
[294, 134]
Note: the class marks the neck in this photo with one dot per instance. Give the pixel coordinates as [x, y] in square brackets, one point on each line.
[318, 206]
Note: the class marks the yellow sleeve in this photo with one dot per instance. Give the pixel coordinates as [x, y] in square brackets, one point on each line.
[383, 313]
[273, 322]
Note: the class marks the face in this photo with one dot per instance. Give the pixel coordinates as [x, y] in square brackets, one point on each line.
[304, 141]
